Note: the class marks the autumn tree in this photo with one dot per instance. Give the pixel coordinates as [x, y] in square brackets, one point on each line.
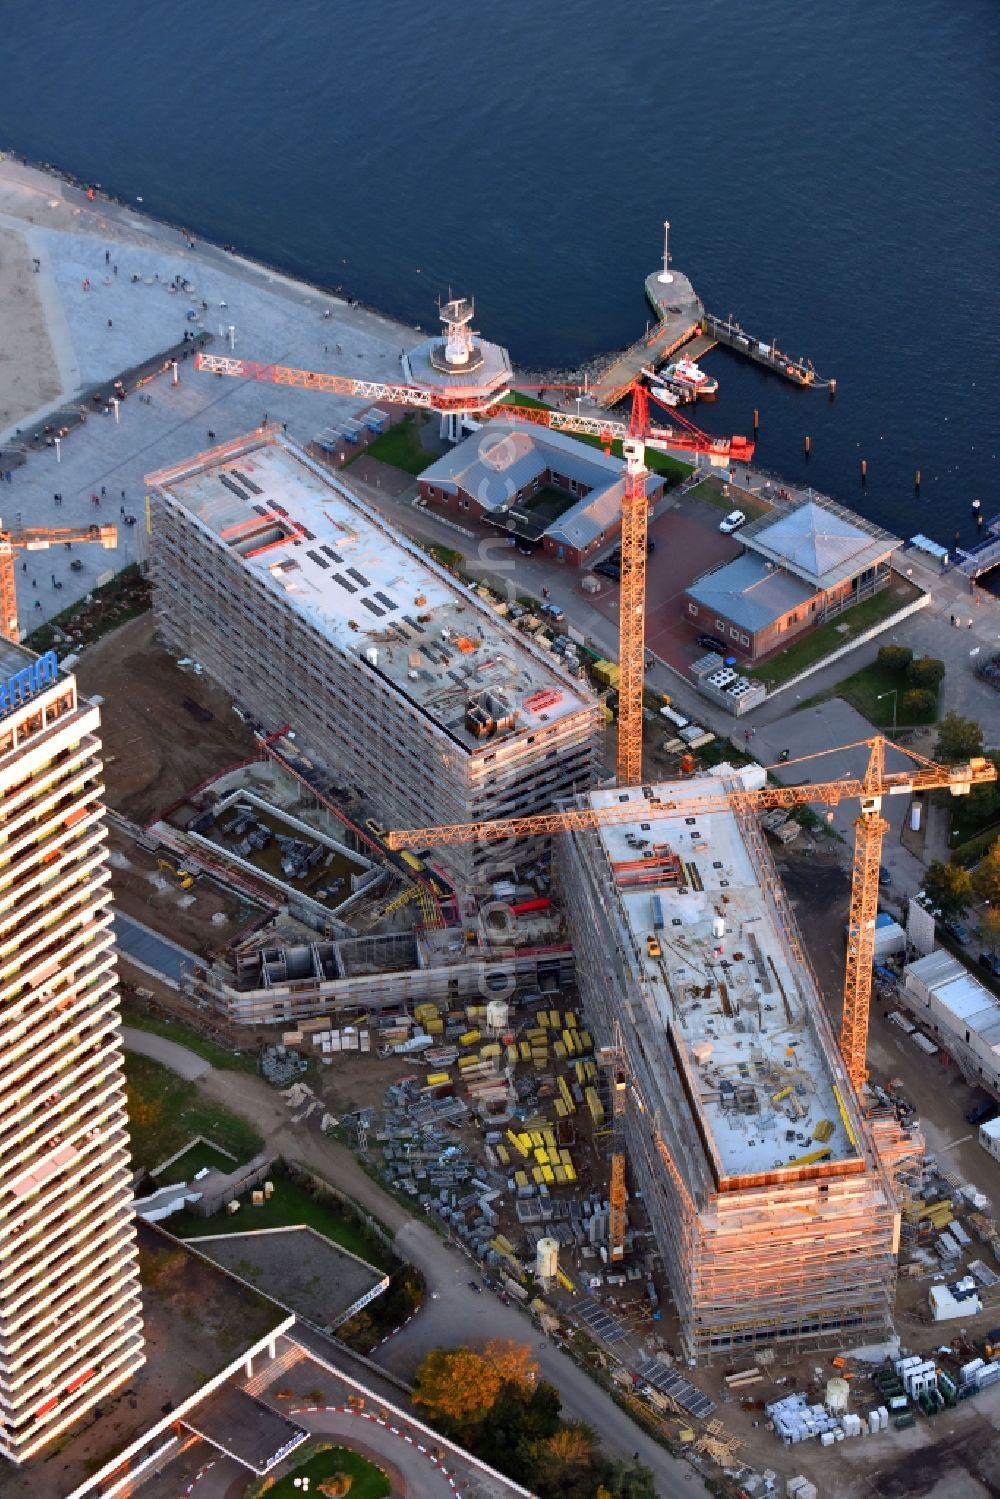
[986, 875]
[463, 1385]
[989, 927]
[949, 887]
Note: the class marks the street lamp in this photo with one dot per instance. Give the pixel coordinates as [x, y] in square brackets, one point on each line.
[893, 692]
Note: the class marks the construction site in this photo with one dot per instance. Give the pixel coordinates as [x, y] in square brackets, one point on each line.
[773, 1211]
[296, 596]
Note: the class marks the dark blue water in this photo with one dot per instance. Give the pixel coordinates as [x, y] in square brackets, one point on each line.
[831, 173]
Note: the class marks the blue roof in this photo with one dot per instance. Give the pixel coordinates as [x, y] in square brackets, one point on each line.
[750, 593]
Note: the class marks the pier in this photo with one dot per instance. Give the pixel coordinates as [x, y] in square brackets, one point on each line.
[679, 315]
[975, 561]
[683, 328]
[735, 337]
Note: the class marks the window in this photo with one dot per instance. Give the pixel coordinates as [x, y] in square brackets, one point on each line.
[793, 618]
[464, 504]
[693, 610]
[744, 640]
[734, 632]
[720, 624]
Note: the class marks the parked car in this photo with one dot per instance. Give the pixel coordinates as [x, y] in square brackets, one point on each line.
[608, 570]
[732, 522]
[981, 1112]
[553, 611]
[712, 643]
[957, 932]
[991, 962]
[884, 876]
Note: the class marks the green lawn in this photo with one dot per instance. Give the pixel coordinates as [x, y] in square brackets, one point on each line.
[192, 1161]
[175, 1030]
[713, 492]
[165, 1112]
[400, 447]
[291, 1205]
[548, 503]
[367, 1481]
[672, 469]
[863, 690]
[816, 644]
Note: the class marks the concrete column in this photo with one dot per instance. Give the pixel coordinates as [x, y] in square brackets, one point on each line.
[248, 1366]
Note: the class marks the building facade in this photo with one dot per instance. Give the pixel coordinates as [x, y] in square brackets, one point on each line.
[773, 1211]
[311, 611]
[70, 1317]
[798, 570]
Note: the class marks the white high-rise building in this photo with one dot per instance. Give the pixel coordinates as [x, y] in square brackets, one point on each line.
[70, 1315]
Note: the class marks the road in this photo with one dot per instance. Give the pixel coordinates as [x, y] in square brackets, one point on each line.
[455, 1314]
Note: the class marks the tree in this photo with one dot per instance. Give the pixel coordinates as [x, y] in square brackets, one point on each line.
[989, 927]
[948, 886]
[958, 739]
[462, 1385]
[894, 657]
[986, 875]
[917, 703]
[926, 672]
[572, 1445]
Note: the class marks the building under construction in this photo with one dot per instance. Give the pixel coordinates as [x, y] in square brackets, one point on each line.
[772, 1209]
[299, 598]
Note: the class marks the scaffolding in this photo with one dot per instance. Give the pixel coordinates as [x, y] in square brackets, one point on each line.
[758, 1251]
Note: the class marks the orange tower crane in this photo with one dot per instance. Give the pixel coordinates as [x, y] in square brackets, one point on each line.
[38, 539]
[685, 436]
[869, 789]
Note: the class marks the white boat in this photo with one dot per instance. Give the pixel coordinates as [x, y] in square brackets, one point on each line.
[685, 375]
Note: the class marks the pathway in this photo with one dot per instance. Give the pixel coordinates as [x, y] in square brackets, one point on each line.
[456, 1313]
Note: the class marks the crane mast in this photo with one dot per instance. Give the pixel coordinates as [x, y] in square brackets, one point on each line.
[38, 539]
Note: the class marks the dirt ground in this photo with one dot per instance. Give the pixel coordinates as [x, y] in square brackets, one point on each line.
[155, 749]
[204, 919]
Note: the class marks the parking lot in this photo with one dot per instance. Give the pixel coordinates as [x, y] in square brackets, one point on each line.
[688, 542]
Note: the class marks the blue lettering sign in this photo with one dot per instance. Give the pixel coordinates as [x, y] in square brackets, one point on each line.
[21, 687]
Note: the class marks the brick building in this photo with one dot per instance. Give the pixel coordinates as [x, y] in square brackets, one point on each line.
[547, 489]
[798, 569]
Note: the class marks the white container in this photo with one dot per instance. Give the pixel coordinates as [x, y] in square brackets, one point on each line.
[547, 1259]
[838, 1393]
[718, 927]
[497, 1014]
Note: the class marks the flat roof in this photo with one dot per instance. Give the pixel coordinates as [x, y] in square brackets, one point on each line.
[740, 1012]
[749, 592]
[820, 541]
[246, 1429]
[371, 592]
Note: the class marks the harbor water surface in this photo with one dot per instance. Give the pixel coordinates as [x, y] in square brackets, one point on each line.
[830, 173]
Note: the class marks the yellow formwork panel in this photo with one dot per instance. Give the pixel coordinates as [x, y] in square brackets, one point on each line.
[543, 1018]
[512, 1055]
[469, 1038]
[554, 1019]
[569, 1041]
[548, 1175]
[435, 1079]
[571, 1174]
[525, 1052]
[586, 1041]
[490, 1051]
[536, 1035]
[559, 1052]
[570, 1019]
[537, 1139]
[561, 1109]
[470, 1061]
[503, 1155]
[594, 1105]
[536, 1173]
[559, 1172]
[565, 1157]
[434, 1026]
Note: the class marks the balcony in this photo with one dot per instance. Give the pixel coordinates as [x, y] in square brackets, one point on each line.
[43, 1329]
[78, 782]
[45, 961]
[41, 902]
[62, 764]
[70, 1023]
[59, 1113]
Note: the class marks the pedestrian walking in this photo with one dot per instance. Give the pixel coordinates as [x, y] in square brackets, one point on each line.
[104, 492]
[109, 322]
[123, 510]
[970, 624]
[107, 257]
[211, 435]
[123, 494]
[24, 567]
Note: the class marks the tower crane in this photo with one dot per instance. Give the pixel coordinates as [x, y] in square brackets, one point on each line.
[38, 539]
[870, 789]
[634, 434]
